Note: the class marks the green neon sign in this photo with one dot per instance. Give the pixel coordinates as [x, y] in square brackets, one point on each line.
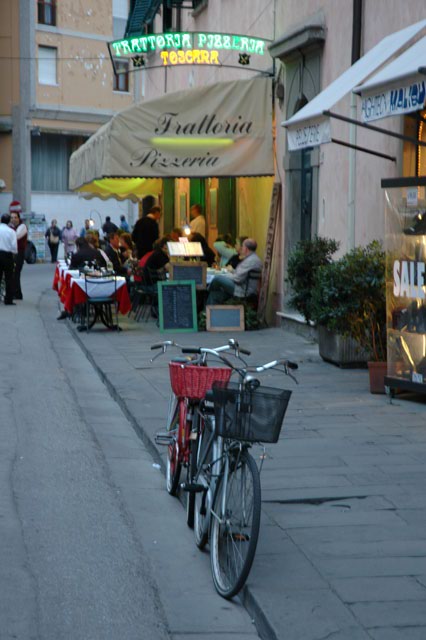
[197, 41]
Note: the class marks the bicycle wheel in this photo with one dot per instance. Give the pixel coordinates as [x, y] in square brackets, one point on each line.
[173, 464]
[200, 499]
[192, 470]
[235, 522]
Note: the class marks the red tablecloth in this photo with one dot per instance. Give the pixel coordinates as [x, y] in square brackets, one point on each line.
[73, 295]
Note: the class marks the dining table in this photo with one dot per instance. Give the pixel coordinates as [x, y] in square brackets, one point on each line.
[73, 290]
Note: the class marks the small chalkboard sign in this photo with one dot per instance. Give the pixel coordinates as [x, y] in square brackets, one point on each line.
[196, 271]
[177, 306]
[222, 317]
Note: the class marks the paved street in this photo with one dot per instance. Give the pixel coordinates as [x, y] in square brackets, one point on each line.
[88, 524]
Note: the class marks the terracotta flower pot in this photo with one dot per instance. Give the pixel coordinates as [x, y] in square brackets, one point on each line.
[377, 372]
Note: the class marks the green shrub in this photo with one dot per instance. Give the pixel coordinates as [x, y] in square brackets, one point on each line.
[303, 263]
[349, 298]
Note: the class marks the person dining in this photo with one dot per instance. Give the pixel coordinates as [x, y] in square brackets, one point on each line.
[209, 254]
[225, 248]
[113, 252]
[86, 255]
[237, 284]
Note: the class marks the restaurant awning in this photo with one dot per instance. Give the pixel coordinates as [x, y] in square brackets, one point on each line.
[216, 130]
[311, 126]
[134, 189]
[398, 88]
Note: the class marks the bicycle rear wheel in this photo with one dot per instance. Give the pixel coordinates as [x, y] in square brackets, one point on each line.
[235, 522]
[173, 464]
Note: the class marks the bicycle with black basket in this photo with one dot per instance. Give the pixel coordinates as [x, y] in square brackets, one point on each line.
[223, 480]
[234, 416]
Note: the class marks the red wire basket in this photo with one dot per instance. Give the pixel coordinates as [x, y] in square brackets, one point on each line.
[191, 381]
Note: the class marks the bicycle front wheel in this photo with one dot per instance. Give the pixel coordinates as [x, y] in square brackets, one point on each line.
[235, 522]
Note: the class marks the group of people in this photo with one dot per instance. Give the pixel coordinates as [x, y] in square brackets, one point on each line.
[69, 235]
[13, 241]
[130, 254]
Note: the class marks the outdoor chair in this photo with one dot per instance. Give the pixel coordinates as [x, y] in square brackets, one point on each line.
[101, 303]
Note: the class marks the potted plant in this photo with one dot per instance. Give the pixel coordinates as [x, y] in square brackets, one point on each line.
[349, 299]
[303, 263]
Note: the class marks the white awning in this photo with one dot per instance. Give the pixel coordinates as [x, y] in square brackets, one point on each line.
[215, 130]
[309, 127]
[398, 88]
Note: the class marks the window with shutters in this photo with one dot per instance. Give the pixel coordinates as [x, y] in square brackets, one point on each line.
[47, 63]
[46, 12]
[121, 79]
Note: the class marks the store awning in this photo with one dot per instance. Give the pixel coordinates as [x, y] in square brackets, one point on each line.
[398, 88]
[134, 189]
[311, 126]
[216, 130]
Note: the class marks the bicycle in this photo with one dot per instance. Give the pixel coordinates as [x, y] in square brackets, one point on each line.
[190, 379]
[226, 481]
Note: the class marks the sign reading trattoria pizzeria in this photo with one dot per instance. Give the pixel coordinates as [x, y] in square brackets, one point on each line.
[219, 129]
[189, 48]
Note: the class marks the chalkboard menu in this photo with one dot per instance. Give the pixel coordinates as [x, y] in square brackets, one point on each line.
[196, 271]
[177, 306]
[223, 317]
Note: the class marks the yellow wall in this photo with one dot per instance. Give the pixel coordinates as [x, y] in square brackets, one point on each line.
[253, 200]
[9, 49]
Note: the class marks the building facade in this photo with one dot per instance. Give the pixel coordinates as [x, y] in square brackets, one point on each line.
[58, 88]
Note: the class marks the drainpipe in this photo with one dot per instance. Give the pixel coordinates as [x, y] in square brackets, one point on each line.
[356, 54]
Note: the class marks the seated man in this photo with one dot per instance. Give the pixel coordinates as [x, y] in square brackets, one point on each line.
[86, 254]
[223, 287]
[113, 252]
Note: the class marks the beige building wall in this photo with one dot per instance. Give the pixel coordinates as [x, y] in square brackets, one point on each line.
[332, 215]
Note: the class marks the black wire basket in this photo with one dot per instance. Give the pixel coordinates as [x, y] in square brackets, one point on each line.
[249, 415]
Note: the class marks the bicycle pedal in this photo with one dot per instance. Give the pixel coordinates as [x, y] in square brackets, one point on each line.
[192, 487]
[164, 438]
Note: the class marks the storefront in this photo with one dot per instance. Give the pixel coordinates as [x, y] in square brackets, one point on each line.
[212, 145]
[400, 90]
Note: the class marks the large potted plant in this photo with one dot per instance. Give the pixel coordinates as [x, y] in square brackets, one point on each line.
[349, 300]
[303, 263]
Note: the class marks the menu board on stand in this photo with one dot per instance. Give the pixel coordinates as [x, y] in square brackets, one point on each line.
[177, 306]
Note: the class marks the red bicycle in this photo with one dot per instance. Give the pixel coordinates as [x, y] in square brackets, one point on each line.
[190, 379]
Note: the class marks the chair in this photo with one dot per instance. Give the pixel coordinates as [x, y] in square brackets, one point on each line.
[145, 301]
[98, 305]
[253, 282]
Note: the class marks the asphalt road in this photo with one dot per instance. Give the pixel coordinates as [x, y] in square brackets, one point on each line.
[83, 511]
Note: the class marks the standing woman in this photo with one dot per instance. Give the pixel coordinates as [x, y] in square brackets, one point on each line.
[53, 235]
[69, 236]
[15, 211]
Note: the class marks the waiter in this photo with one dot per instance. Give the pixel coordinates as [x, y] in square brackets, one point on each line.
[8, 249]
[15, 211]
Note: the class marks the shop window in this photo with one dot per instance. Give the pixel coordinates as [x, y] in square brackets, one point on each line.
[414, 158]
[121, 79]
[46, 12]
[50, 155]
[47, 63]
[421, 151]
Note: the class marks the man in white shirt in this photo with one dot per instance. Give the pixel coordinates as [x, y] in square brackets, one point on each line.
[198, 221]
[8, 248]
